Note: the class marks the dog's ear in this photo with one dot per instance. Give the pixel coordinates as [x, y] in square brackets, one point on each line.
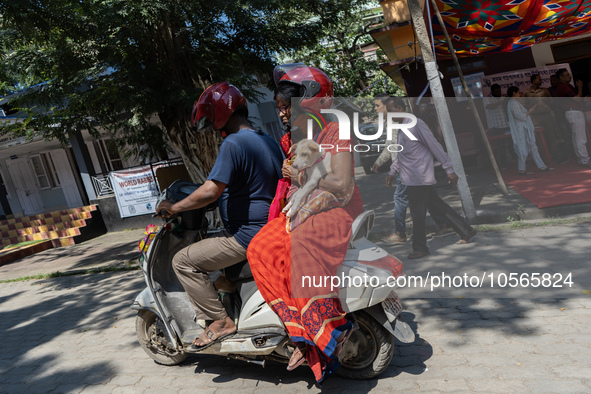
[293, 148]
[314, 147]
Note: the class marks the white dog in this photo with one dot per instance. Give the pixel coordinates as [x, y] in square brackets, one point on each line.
[310, 158]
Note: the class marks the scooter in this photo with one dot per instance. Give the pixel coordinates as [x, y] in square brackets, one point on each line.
[166, 326]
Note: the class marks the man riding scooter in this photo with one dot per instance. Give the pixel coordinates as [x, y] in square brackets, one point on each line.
[243, 178]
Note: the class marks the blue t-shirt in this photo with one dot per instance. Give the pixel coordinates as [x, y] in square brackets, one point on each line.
[249, 163]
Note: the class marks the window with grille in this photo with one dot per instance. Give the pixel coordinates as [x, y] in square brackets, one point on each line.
[108, 155]
[45, 172]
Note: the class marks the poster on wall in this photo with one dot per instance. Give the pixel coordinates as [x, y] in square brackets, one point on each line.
[520, 78]
[135, 190]
[474, 86]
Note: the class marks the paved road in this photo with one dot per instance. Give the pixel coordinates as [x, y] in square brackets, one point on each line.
[76, 334]
[109, 250]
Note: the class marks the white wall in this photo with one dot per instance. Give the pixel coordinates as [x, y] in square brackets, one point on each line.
[543, 53]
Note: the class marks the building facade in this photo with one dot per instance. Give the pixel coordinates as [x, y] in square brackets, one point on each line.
[39, 176]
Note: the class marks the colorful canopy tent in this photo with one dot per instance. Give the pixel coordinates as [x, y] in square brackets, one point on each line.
[483, 27]
[479, 27]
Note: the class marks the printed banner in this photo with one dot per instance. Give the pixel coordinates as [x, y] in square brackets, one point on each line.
[135, 190]
[520, 78]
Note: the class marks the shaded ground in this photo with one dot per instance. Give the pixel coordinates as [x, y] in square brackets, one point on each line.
[111, 249]
[76, 334]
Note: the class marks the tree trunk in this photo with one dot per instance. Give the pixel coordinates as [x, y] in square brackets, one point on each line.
[198, 149]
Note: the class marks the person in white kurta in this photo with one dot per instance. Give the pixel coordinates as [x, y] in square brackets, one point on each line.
[522, 132]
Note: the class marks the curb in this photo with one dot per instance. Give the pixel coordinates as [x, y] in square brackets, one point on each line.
[18, 253]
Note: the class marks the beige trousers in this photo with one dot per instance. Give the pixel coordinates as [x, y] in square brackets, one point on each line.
[193, 265]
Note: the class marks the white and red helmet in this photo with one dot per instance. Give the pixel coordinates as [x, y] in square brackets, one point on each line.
[316, 87]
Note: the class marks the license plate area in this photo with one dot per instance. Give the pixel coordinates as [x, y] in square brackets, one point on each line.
[392, 306]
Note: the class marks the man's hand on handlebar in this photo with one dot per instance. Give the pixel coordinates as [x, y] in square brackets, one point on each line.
[164, 209]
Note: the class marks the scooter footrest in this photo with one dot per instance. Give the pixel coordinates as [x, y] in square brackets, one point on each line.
[190, 335]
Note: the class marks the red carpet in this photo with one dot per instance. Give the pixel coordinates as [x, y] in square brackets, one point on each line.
[569, 184]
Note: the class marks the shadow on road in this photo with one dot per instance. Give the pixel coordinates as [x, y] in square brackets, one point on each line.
[85, 306]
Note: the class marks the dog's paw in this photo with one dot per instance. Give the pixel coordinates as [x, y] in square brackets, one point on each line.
[287, 207]
[289, 214]
[293, 210]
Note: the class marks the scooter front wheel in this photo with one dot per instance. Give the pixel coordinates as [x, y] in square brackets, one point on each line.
[368, 351]
[148, 328]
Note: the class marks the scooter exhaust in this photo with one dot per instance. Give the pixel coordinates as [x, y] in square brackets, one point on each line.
[248, 360]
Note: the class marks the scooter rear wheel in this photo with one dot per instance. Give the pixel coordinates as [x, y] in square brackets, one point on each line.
[153, 341]
[369, 351]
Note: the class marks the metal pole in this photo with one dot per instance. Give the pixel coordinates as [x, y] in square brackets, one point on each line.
[452, 51]
[416, 15]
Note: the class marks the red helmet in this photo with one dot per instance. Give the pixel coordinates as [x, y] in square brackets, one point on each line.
[216, 104]
[317, 87]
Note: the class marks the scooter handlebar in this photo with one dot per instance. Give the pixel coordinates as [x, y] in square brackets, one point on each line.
[162, 213]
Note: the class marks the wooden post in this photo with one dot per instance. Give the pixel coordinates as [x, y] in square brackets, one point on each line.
[449, 136]
[452, 51]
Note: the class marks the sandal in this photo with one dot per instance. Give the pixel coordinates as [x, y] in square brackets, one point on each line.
[338, 350]
[297, 357]
[215, 338]
[467, 238]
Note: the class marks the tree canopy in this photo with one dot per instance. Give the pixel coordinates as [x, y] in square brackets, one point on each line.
[135, 67]
[342, 51]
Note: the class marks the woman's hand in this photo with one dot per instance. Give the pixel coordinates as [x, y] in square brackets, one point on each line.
[287, 170]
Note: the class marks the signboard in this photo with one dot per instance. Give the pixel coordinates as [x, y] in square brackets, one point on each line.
[135, 190]
[10, 139]
[474, 86]
[520, 78]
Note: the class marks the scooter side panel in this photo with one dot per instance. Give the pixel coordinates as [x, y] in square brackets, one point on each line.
[144, 300]
[380, 294]
[355, 290]
[168, 289]
[242, 346]
[256, 313]
[365, 250]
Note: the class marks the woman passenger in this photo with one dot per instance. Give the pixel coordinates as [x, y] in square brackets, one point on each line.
[313, 317]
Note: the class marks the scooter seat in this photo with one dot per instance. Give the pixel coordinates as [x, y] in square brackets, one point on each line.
[238, 272]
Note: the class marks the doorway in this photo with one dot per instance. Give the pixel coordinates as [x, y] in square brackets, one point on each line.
[580, 70]
[25, 187]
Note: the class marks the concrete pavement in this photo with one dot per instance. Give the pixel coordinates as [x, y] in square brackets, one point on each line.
[490, 204]
[76, 334]
[117, 249]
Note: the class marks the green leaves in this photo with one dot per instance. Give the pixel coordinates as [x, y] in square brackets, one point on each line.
[133, 68]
